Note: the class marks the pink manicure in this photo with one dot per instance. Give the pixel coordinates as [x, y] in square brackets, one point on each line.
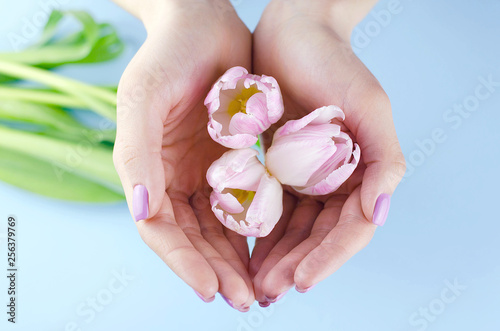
[140, 204]
[304, 290]
[381, 209]
[228, 301]
[277, 298]
[203, 298]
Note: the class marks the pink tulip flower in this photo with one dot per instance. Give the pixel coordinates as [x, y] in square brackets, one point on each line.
[312, 154]
[241, 106]
[245, 198]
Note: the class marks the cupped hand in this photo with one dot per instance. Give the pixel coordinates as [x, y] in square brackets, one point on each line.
[313, 62]
[162, 143]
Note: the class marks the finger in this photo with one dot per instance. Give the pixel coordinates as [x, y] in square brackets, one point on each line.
[212, 231]
[369, 118]
[297, 231]
[264, 245]
[385, 163]
[231, 284]
[281, 276]
[137, 150]
[351, 234]
[163, 235]
[239, 244]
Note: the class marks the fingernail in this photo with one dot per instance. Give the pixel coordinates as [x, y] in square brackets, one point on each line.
[244, 309]
[140, 205]
[229, 302]
[381, 209]
[277, 298]
[203, 298]
[304, 290]
[264, 304]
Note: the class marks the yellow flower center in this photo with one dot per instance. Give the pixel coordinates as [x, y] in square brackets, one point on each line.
[239, 104]
[243, 196]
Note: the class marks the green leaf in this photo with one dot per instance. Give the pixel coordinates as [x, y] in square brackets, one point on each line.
[107, 47]
[41, 177]
[50, 120]
[51, 153]
[58, 52]
[85, 158]
[100, 100]
[50, 29]
[93, 43]
[39, 96]
[40, 114]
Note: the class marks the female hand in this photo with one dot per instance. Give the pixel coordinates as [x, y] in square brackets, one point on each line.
[163, 149]
[305, 46]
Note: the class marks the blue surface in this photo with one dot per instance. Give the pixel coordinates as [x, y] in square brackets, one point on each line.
[443, 225]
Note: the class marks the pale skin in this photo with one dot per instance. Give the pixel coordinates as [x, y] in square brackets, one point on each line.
[162, 141]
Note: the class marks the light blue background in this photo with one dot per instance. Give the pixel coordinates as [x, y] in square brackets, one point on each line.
[443, 225]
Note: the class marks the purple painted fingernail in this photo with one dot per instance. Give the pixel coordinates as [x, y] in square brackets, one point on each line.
[273, 300]
[381, 209]
[140, 204]
[203, 298]
[229, 302]
[304, 290]
[244, 309]
[264, 304]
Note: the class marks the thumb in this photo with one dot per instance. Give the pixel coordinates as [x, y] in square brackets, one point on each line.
[381, 152]
[137, 152]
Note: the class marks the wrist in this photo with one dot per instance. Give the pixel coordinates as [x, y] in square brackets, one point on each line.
[339, 15]
[147, 11]
[215, 13]
[156, 12]
[346, 14]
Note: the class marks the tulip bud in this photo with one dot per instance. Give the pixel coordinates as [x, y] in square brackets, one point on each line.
[241, 106]
[246, 199]
[312, 154]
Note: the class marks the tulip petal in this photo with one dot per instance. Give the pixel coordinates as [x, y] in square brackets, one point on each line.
[257, 107]
[266, 208]
[323, 132]
[242, 123]
[228, 202]
[261, 105]
[236, 169]
[321, 115]
[327, 113]
[342, 156]
[260, 216]
[335, 179]
[256, 218]
[234, 142]
[274, 99]
[337, 160]
[226, 219]
[246, 199]
[227, 81]
[294, 163]
[254, 121]
[312, 154]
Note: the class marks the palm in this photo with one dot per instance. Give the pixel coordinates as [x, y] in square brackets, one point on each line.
[187, 152]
